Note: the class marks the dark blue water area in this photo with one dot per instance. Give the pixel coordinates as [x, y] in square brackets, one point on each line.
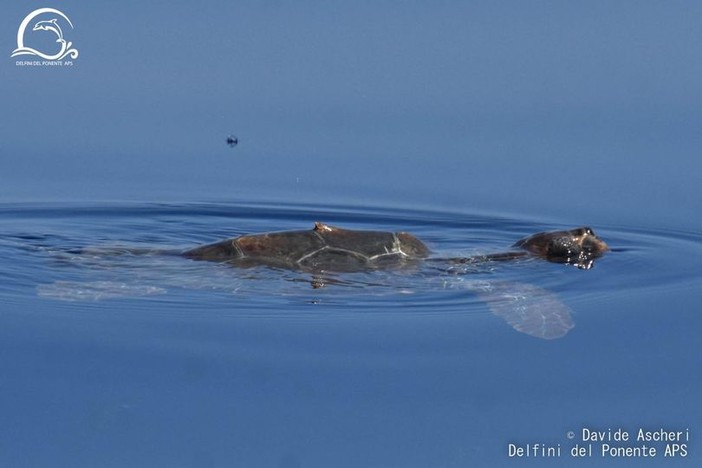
[126, 352]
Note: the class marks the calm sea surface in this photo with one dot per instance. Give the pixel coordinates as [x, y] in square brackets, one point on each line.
[469, 124]
[131, 355]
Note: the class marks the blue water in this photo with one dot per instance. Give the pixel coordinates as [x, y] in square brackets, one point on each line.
[469, 125]
[129, 354]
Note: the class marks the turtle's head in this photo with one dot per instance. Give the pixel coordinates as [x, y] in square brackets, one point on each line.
[579, 247]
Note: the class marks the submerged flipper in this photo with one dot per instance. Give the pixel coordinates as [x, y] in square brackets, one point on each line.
[526, 308]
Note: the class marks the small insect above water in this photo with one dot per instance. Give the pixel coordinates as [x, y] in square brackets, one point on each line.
[232, 141]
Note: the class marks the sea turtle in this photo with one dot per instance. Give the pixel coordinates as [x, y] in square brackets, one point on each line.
[328, 251]
[328, 248]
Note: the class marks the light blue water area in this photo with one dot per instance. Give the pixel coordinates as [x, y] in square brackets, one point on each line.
[470, 126]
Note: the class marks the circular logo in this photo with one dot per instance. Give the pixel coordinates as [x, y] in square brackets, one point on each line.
[53, 26]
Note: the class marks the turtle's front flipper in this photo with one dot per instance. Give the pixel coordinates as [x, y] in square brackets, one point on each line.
[527, 308]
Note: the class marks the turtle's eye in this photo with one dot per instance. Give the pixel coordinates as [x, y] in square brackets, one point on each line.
[589, 231]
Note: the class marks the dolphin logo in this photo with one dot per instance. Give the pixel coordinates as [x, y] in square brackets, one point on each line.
[50, 25]
[46, 25]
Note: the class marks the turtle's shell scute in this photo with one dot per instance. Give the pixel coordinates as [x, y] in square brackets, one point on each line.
[283, 249]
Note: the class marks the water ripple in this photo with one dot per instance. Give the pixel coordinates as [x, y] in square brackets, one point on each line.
[106, 252]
